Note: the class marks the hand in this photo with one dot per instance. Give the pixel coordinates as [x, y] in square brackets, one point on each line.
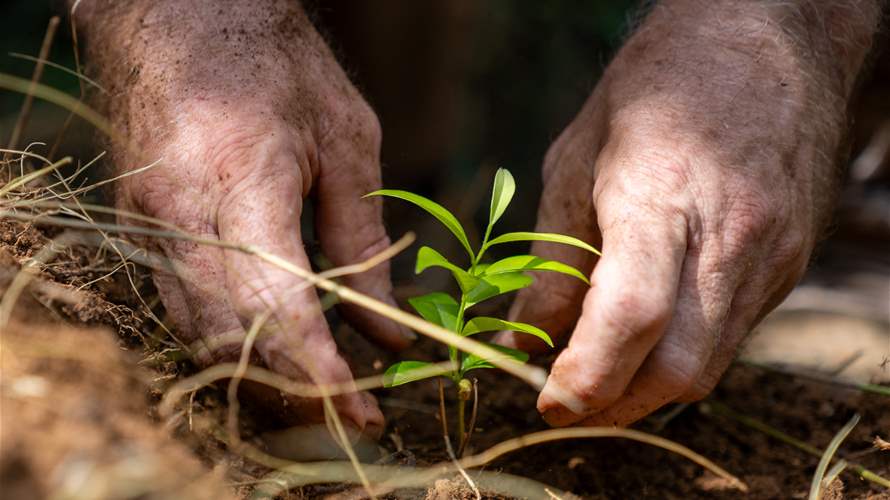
[704, 165]
[250, 114]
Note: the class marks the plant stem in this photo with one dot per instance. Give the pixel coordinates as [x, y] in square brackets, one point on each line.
[458, 326]
[478, 256]
[461, 426]
[458, 375]
[472, 424]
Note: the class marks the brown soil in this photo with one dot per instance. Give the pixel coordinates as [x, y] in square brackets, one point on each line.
[79, 414]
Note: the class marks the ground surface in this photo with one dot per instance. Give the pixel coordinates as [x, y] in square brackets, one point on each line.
[79, 420]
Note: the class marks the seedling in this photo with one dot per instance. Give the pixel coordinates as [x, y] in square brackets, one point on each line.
[477, 282]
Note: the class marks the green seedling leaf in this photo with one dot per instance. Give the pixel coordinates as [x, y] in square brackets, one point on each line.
[427, 257]
[434, 209]
[501, 194]
[492, 286]
[486, 324]
[529, 236]
[473, 362]
[437, 308]
[532, 263]
[405, 372]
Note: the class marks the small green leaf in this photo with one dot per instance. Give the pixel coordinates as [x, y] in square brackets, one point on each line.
[491, 286]
[437, 308]
[405, 372]
[501, 194]
[427, 257]
[485, 324]
[473, 362]
[528, 236]
[532, 263]
[438, 211]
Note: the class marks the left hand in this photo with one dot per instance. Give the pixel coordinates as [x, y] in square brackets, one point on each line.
[707, 172]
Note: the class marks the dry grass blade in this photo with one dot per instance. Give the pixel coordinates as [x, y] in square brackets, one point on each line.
[443, 418]
[352, 296]
[533, 375]
[834, 472]
[288, 477]
[819, 476]
[534, 438]
[28, 272]
[342, 439]
[101, 183]
[261, 375]
[390, 478]
[26, 153]
[41, 60]
[25, 112]
[59, 98]
[232, 390]
[25, 179]
[388, 253]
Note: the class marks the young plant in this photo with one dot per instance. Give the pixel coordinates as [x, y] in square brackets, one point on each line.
[479, 281]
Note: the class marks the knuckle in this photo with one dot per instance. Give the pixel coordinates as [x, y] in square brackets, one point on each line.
[645, 189]
[633, 312]
[155, 195]
[355, 123]
[368, 123]
[647, 169]
[749, 219]
[230, 152]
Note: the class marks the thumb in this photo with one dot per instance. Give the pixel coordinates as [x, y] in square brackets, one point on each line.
[350, 228]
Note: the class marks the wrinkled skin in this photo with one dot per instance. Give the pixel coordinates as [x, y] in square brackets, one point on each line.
[703, 163]
[707, 171]
[243, 142]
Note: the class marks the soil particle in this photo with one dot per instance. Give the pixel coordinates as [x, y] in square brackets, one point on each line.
[75, 421]
[450, 489]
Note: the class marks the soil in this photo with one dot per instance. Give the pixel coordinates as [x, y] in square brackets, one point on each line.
[83, 370]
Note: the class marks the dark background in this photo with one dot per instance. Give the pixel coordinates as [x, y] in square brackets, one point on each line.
[462, 87]
[458, 85]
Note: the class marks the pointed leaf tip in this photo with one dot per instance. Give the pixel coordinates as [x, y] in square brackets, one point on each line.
[530, 236]
[438, 211]
[501, 194]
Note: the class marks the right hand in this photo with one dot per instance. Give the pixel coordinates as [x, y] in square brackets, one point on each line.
[250, 113]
